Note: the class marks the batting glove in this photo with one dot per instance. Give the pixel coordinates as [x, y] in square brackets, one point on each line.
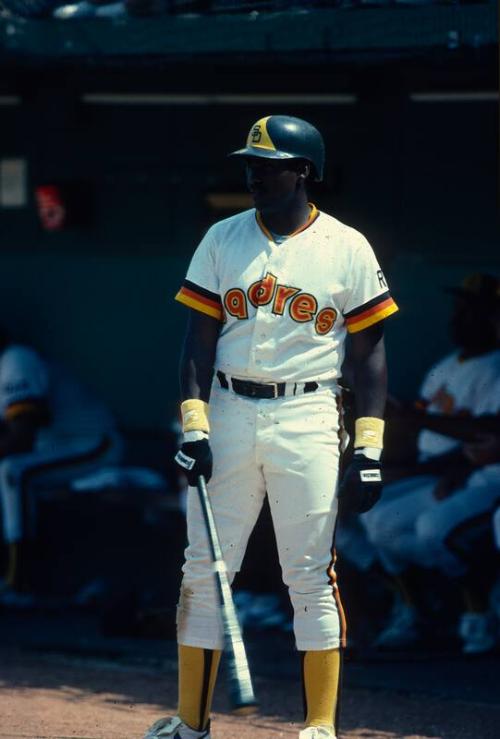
[195, 458]
[361, 485]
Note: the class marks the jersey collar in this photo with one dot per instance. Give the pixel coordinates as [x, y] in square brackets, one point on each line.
[313, 214]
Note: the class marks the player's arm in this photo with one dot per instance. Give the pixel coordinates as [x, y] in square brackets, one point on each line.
[439, 464]
[484, 450]
[479, 436]
[463, 428]
[361, 485]
[198, 356]
[479, 450]
[17, 436]
[196, 372]
[368, 367]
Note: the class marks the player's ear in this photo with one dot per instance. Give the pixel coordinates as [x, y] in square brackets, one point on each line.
[303, 171]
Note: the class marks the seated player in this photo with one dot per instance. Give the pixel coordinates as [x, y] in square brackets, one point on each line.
[455, 531]
[458, 531]
[412, 523]
[52, 431]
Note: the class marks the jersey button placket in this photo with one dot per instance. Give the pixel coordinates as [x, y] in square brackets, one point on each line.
[264, 326]
[258, 332]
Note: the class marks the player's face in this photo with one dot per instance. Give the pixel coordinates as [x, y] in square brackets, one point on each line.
[272, 183]
[470, 324]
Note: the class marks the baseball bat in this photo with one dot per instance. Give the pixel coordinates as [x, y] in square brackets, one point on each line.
[241, 695]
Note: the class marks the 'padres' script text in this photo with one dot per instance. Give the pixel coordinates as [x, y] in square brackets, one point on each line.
[302, 307]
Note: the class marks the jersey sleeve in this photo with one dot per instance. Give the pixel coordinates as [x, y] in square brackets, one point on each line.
[200, 289]
[435, 379]
[369, 300]
[23, 383]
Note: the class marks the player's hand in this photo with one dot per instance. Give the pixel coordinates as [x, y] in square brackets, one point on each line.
[195, 459]
[451, 482]
[361, 485]
[485, 449]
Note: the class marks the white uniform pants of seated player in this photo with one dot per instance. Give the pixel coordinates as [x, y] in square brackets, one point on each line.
[409, 526]
[496, 527]
[289, 448]
[352, 543]
[23, 477]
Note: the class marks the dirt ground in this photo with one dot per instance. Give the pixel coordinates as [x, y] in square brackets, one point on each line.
[44, 696]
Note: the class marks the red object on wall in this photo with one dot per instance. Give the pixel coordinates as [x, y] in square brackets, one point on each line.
[51, 207]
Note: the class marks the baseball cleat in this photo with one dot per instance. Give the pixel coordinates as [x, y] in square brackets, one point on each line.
[11, 598]
[317, 732]
[478, 632]
[174, 728]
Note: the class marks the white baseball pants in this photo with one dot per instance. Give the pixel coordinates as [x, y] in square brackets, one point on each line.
[409, 526]
[496, 527]
[287, 447]
[23, 476]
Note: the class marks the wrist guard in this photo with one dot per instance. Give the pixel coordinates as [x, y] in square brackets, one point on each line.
[195, 415]
[369, 432]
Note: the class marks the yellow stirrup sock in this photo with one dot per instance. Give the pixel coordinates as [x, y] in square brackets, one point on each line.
[321, 680]
[197, 675]
[12, 566]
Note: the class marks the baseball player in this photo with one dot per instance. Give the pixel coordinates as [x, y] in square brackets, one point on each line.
[273, 292]
[416, 518]
[459, 524]
[52, 431]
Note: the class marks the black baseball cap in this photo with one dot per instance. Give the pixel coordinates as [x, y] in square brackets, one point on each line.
[478, 286]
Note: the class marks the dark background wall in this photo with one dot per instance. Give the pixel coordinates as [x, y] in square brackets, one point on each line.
[418, 178]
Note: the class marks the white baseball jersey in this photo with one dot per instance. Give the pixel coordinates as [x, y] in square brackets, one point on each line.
[285, 307]
[28, 383]
[489, 405]
[456, 387]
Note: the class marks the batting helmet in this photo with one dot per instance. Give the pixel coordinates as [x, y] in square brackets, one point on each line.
[285, 137]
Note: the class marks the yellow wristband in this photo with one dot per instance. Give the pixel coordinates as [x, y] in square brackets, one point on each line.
[195, 415]
[369, 432]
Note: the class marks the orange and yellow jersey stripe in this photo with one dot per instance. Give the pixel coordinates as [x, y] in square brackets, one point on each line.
[372, 312]
[200, 299]
[27, 406]
[421, 404]
[313, 214]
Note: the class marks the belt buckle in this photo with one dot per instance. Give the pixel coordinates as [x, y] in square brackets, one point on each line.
[274, 386]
